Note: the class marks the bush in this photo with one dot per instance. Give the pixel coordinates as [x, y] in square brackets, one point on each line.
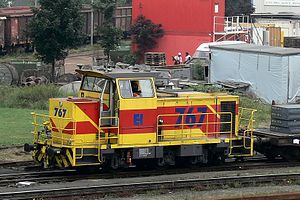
[208, 88]
[263, 115]
[36, 97]
[198, 71]
[130, 59]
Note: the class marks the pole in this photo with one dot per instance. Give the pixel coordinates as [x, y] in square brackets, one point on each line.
[35, 3]
[92, 24]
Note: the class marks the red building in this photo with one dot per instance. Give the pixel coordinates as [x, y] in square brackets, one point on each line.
[187, 23]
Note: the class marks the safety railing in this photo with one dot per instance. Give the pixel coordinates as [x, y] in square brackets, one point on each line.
[193, 126]
[55, 131]
[45, 131]
[111, 131]
[246, 126]
[108, 134]
[231, 25]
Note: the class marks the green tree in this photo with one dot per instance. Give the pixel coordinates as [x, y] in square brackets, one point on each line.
[145, 34]
[238, 7]
[3, 3]
[54, 29]
[110, 36]
[107, 8]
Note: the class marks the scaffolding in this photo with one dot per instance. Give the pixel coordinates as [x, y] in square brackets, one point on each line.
[232, 28]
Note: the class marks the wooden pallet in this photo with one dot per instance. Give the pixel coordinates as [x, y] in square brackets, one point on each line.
[155, 58]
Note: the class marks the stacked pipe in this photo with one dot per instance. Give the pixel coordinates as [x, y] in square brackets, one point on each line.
[32, 80]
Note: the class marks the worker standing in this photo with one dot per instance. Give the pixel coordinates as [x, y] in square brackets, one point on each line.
[187, 57]
[179, 58]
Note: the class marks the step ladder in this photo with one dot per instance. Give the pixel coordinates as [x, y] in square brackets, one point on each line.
[241, 145]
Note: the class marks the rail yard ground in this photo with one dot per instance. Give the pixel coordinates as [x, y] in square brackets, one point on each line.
[16, 127]
[214, 190]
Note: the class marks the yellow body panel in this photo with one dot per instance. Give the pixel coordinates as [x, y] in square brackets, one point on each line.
[136, 139]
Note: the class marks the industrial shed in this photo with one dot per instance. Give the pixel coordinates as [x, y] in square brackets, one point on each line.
[272, 72]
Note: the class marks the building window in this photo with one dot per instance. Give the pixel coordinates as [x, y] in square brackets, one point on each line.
[216, 8]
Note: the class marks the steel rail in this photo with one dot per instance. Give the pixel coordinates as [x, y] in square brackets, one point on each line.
[17, 164]
[52, 176]
[278, 196]
[151, 185]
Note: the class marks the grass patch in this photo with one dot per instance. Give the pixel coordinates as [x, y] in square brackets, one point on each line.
[17, 56]
[36, 97]
[85, 48]
[263, 114]
[16, 126]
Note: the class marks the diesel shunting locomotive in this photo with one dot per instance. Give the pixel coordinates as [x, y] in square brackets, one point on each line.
[119, 119]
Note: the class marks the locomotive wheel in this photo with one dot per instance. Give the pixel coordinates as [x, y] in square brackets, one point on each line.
[216, 159]
[115, 162]
[194, 160]
[169, 157]
[161, 162]
[271, 156]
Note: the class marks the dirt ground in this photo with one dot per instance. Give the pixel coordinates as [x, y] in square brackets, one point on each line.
[72, 61]
[85, 58]
[13, 154]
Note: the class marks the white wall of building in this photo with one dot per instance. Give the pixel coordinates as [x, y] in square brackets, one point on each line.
[276, 6]
[290, 28]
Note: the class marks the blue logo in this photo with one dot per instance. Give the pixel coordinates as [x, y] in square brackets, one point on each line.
[138, 119]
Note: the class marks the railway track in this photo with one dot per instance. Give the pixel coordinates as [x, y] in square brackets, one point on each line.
[17, 164]
[197, 183]
[285, 196]
[55, 176]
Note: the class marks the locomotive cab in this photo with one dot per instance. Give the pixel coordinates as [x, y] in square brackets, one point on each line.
[119, 119]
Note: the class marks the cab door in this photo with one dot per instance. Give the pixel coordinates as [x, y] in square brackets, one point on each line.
[138, 111]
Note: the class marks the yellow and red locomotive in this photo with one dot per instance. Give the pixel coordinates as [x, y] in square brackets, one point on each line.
[119, 120]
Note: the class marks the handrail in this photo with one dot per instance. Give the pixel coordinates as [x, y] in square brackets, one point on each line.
[105, 127]
[107, 137]
[246, 124]
[42, 124]
[188, 131]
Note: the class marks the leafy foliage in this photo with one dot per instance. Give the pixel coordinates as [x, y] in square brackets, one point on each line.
[36, 97]
[238, 7]
[3, 3]
[109, 38]
[146, 33]
[130, 59]
[55, 28]
[107, 7]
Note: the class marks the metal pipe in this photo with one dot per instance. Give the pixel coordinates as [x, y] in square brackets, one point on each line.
[92, 23]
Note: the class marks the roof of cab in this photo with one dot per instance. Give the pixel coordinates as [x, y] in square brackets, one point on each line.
[118, 74]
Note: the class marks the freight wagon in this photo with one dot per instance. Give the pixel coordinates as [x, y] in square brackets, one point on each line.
[14, 25]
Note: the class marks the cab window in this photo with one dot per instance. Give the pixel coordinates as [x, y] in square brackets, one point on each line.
[93, 84]
[136, 88]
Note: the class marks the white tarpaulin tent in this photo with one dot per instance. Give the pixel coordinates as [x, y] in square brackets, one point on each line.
[272, 72]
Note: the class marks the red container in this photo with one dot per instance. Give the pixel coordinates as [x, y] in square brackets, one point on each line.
[187, 24]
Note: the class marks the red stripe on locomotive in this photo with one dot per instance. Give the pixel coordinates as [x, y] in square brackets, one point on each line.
[80, 127]
[138, 121]
[91, 110]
